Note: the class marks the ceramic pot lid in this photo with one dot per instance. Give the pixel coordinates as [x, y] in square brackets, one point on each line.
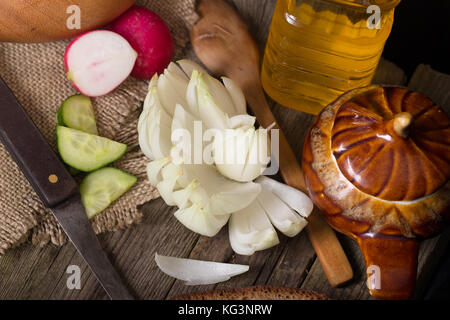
[377, 160]
[392, 143]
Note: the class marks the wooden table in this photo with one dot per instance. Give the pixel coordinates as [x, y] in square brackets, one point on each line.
[30, 272]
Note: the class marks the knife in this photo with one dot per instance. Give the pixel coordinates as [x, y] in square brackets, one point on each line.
[56, 188]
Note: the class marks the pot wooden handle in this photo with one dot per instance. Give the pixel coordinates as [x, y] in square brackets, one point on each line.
[391, 265]
[328, 248]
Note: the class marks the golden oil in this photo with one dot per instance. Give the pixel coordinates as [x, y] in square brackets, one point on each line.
[318, 49]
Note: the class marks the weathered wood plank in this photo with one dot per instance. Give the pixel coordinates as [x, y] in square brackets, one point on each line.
[30, 272]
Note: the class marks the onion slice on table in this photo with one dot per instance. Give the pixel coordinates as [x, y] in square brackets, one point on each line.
[198, 272]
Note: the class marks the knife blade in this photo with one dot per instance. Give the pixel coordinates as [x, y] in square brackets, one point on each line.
[56, 188]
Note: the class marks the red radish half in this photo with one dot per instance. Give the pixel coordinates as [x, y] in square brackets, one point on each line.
[149, 35]
[98, 61]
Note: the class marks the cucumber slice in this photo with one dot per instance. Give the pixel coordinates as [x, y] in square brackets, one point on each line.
[76, 112]
[87, 152]
[100, 188]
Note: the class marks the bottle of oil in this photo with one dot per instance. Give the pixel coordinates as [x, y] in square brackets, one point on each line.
[318, 49]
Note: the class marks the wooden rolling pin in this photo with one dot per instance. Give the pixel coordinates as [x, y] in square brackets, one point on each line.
[50, 20]
[223, 43]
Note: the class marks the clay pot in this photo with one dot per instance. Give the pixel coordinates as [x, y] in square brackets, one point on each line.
[377, 163]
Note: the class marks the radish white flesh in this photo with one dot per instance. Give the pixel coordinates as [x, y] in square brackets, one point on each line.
[250, 230]
[98, 61]
[198, 272]
[294, 198]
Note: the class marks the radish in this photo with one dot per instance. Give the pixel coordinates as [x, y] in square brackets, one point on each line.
[98, 61]
[149, 35]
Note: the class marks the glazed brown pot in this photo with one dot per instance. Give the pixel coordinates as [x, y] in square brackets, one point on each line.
[377, 163]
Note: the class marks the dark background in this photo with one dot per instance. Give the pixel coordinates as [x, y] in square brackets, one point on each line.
[420, 34]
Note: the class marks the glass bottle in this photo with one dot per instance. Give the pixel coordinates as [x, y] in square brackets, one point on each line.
[319, 49]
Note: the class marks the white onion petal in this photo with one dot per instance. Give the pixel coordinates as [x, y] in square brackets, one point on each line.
[280, 214]
[198, 272]
[189, 66]
[250, 230]
[294, 198]
[236, 95]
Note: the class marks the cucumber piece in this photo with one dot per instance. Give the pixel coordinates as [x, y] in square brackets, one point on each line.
[100, 188]
[76, 112]
[87, 152]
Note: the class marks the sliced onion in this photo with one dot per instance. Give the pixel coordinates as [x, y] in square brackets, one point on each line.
[241, 154]
[154, 127]
[189, 66]
[168, 93]
[154, 170]
[191, 95]
[250, 230]
[179, 83]
[236, 95]
[243, 121]
[199, 218]
[280, 214]
[220, 95]
[294, 198]
[159, 131]
[153, 81]
[183, 197]
[183, 136]
[210, 113]
[170, 174]
[226, 195]
[176, 69]
[198, 272]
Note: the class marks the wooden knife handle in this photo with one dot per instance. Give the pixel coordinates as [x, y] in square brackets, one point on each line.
[26, 145]
[328, 248]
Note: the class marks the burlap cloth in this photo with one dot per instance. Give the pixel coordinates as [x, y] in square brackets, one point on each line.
[35, 73]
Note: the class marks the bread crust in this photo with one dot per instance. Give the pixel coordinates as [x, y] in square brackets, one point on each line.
[255, 293]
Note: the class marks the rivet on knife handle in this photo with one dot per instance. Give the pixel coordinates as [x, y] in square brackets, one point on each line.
[56, 188]
[37, 160]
